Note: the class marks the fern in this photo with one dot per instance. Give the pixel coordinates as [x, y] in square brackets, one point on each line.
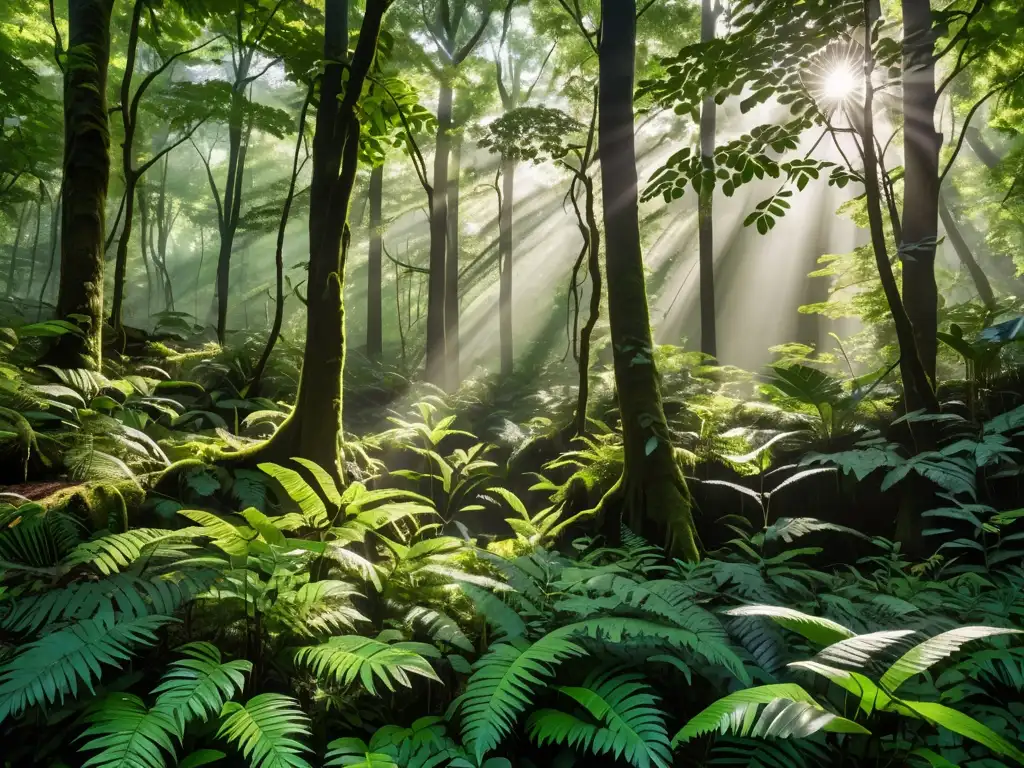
[502, 686]
[495, 611]
[111, 554]
[814, 628]
[345, 659]
[790, 711]
[930, 652]
[265, 729]
[630, 725]
[51, 667]
[198, 686]
[127, 734]
[441, 627]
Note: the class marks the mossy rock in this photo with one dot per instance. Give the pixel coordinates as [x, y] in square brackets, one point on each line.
[101, 505]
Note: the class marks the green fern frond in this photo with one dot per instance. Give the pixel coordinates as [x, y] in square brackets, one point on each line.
[35, 536]
[495, 611]
[267, 729]
[964, 725]
[130, 595]
[931, 651]
[441, 627]
[127, 735]
[868, 651]
[114, 552]
[631, 724]
[790, 711]
[502, 686]
[199, 685]
[814, 628]
[51, 667]
[345, 659]
[311, 505]
[355, 753]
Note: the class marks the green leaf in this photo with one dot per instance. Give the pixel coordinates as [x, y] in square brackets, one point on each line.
[346, 659]
[815, 629]
[966, 726]
[201, 757]
[931, 651]
[311, 506]
[199, 685]
[265, 729]
[127, 735]
[650, 445]
[790, 711]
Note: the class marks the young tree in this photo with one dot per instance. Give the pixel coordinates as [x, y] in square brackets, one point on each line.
[705, 210]
[374, 275]
[444, 28]
[84, 190]
[314, 429]
[651, 485]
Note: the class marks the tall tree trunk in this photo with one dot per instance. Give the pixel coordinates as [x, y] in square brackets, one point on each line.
[14, 249]
[86, 174]
[314, 429]
[144, 250]
[505, 218]
[55, 219]
[131, 178]
[374, 274]
[984, 152]
[164, 221]
[232, 199]
[275, 331]
[436, 346]
[451, 270]
[917, 386]
[963, 252]
[651, 486]
[593, 243]
[921, 180]
[705, 215]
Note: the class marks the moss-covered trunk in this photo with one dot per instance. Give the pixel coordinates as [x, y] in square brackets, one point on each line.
[651, 487]
[86, 173]
[374, 273]
[436, 346]
[313, 431]
[505, 341]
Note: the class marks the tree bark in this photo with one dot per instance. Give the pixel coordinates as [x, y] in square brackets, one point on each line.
[593, 244]
[505, 247]
[921, 180]
[436, 343]
[35, 239]
[314, 429]
[86, 174]
[232, 204]
[963, 252]
[651, 486]
[917, 386]
[374, 273]
[451, 270]
[705, 214]
[14, 249]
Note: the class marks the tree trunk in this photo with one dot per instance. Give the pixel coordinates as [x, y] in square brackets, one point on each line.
[505, 247]
[436, 346]
[921, 180]
[917, 386]
[984, 152]
[705, 215]
[275, 330]
[121, 255]
[86, 173]
[55, 219]
[14, 249]
[35, 239]
[232, 201]
[451, 270]
[374, 274]
[593, 235]
[651, 485]
[314, 429]
[144, 227]
[963, 252]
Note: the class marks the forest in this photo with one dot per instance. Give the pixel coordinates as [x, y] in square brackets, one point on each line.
[511, 383]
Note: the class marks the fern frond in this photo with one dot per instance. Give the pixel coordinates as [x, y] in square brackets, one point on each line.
[441, 627]
[265, 729]
[931, 651]
[114, 552]
[51, 667]
[127, 735]
[631, 725]
[814, 628]
[502, 686]
[790, 711]
[495, 611]
[344, 659]
[199, 685]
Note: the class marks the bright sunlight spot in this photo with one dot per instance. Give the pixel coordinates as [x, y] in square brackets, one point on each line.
[840, 83]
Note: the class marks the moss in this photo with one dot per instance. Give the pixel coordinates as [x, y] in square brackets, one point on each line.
[102, 505]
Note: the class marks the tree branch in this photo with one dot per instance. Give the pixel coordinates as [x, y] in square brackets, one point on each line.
[467, 49]
[543, 66]
[170, 148]
[133, 112]
[213, 183]
[967, 123]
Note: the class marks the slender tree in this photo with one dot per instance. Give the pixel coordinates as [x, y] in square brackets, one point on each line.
[374, 274]
[921, 180]
[705, 214]
[12, 265]
[84, 190]
[651, 486]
